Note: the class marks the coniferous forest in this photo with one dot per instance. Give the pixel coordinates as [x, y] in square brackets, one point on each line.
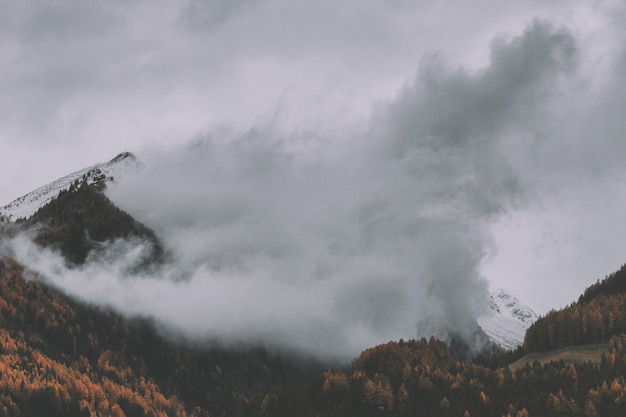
[61, 358]
[81, 218]
[599, 313]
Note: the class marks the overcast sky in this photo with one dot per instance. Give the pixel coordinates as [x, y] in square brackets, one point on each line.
[503, 120]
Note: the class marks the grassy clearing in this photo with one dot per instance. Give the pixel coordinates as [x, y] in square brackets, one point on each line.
[584, 353]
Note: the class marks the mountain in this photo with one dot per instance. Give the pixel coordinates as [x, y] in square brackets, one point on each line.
[59, 357]
[82, 222]
[507, 320]
[73, 216]
[26, 205]
[574, 366]
[599, 313]
[62, 358]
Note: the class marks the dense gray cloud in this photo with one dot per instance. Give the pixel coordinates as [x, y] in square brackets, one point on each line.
[567, 235]
[325, 205]
[81, 80]
[207, 14]
[351, 243]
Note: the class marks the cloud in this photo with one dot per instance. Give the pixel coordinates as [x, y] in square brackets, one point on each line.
[501, 155]
[206, 14]
[565, 236]
[46, 22]
[331, 246]
[82, 80]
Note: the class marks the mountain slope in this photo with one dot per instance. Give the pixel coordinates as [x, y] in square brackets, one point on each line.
[507, 320]
[81, 221]
[428, 378]
[26, 205]
[73, 215]
[599, 314]
[59, 357]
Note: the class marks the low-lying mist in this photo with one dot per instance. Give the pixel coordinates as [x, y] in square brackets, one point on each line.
[330, 245]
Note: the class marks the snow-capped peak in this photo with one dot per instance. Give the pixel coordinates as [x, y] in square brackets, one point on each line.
[507, 320]
[26, 205]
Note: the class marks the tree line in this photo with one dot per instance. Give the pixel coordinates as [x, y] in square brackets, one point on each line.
[426, 378]
[598, 314]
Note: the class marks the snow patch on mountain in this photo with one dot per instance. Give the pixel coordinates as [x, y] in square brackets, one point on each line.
[507, 320]
[28, 204]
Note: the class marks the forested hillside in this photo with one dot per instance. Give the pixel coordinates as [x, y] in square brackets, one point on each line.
[599, 313]
[80, 219]
[426, 378]
[61, 358]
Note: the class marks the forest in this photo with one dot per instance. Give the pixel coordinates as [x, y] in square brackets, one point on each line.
[598, 314]
[81, 219]
[61, 358]
[426, 378]
[429, 378]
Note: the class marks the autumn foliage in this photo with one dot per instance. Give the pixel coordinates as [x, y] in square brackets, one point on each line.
[425, 378]
[61, 358]
[33, 383]
[599, 314]
[428, 378]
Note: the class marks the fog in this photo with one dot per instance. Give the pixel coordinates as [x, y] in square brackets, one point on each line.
[330, 244]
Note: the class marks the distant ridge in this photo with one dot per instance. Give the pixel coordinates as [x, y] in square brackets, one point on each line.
[26, 205]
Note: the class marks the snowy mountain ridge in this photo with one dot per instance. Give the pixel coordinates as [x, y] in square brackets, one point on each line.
[507, 320]
[26, 205]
